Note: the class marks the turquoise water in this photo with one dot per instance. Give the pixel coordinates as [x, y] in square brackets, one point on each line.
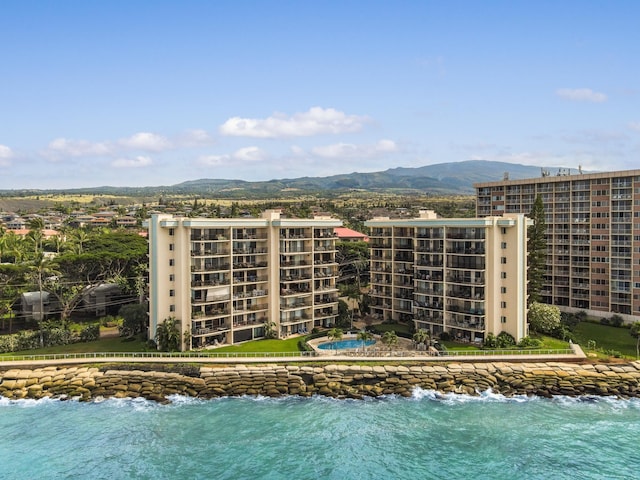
[423, 437]
[344, 344]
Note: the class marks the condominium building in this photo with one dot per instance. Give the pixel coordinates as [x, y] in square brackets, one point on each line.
[592, 232]
[463, 276]
[227, 280]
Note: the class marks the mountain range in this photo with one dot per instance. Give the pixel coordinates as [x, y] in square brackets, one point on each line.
[441, 178]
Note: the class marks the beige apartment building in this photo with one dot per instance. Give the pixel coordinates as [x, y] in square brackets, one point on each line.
[464, 276]
[225, 279]
[592, 232]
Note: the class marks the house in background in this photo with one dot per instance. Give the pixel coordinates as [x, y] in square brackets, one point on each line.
[30, 306]
[105, 299]
[344, 234]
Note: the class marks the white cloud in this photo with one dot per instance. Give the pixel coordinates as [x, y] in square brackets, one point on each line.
[243, 155]
[77, 148]
[316, 121]
[137, 162]
[5, 152]
[146, 141]
[348, 150]
[249, 154]
[5, 156]
[633, 126]
[194, 138]
[581, 95]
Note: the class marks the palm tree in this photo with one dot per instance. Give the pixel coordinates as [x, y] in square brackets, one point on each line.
[335, 334]
[270, 330]
[354, 294]
[390, 339]
[36, 237]
[79, 238]
[56, 242]
[635, 332]
[364, 336]
[41, 268]
[421, 337]
[168, 335]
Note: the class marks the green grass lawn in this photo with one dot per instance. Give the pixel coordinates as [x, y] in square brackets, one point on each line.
[116, 344]
[606, 337]
[288, 345]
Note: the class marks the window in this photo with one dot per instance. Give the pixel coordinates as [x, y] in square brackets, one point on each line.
[503, 275]
[171, 262]
[171, 232]
[171, 247]
[503, 304]
[503, 319]
[503, 289]
[503, 245]
[172, 308]
[172, 277]
[504, 231]
[172, 293]
[503, 260]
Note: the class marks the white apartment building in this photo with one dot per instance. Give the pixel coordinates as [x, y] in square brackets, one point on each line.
[225, 279]
[465, 276]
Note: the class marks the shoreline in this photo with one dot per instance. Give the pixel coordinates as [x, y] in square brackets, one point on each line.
[157, 382]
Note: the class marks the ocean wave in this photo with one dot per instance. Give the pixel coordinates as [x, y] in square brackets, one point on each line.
[490, 396]
[28, 402]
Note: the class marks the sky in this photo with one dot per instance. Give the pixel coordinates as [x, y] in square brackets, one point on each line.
[148, 93]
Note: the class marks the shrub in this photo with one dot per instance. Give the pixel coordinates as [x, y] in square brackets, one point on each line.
[581, 316]
[90, 333]
[490, 341]
[445, 336]
[605, 321]
[616, 320]
[569, 319]
[613, 353]
[563, 333]
[543, 318]
[528, 342]
[505, 340]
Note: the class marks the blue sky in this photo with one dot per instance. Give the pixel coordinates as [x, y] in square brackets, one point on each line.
[135, 93]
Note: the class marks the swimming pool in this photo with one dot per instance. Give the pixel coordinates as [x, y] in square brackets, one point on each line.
[345, 344]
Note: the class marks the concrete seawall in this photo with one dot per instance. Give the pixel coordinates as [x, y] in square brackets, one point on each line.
[339, 381]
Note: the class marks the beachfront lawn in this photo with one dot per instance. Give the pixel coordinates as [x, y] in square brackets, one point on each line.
[606, 337]
[267, 345]
[114, 344]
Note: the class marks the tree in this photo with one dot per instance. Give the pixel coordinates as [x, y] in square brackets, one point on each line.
[537, 251]
[168, 335]
[635, 333]
[335, 334]
[364, 336]
[543, 318]
[390, 339]
[421, 337]
[270, 330]
[134, 319]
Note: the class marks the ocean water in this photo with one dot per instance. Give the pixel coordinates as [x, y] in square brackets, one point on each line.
[427, 436]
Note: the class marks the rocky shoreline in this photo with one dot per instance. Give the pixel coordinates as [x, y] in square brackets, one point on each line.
[338, 380]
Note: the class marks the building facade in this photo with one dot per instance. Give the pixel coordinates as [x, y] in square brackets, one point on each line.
[465, 276]
[592, 233]
[229, 280]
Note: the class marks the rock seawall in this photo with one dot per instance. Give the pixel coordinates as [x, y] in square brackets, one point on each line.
[339, 381]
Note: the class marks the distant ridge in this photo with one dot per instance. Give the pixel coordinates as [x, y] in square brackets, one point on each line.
[440, 178]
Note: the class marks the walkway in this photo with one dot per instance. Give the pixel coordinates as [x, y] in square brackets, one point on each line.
[507, 356]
